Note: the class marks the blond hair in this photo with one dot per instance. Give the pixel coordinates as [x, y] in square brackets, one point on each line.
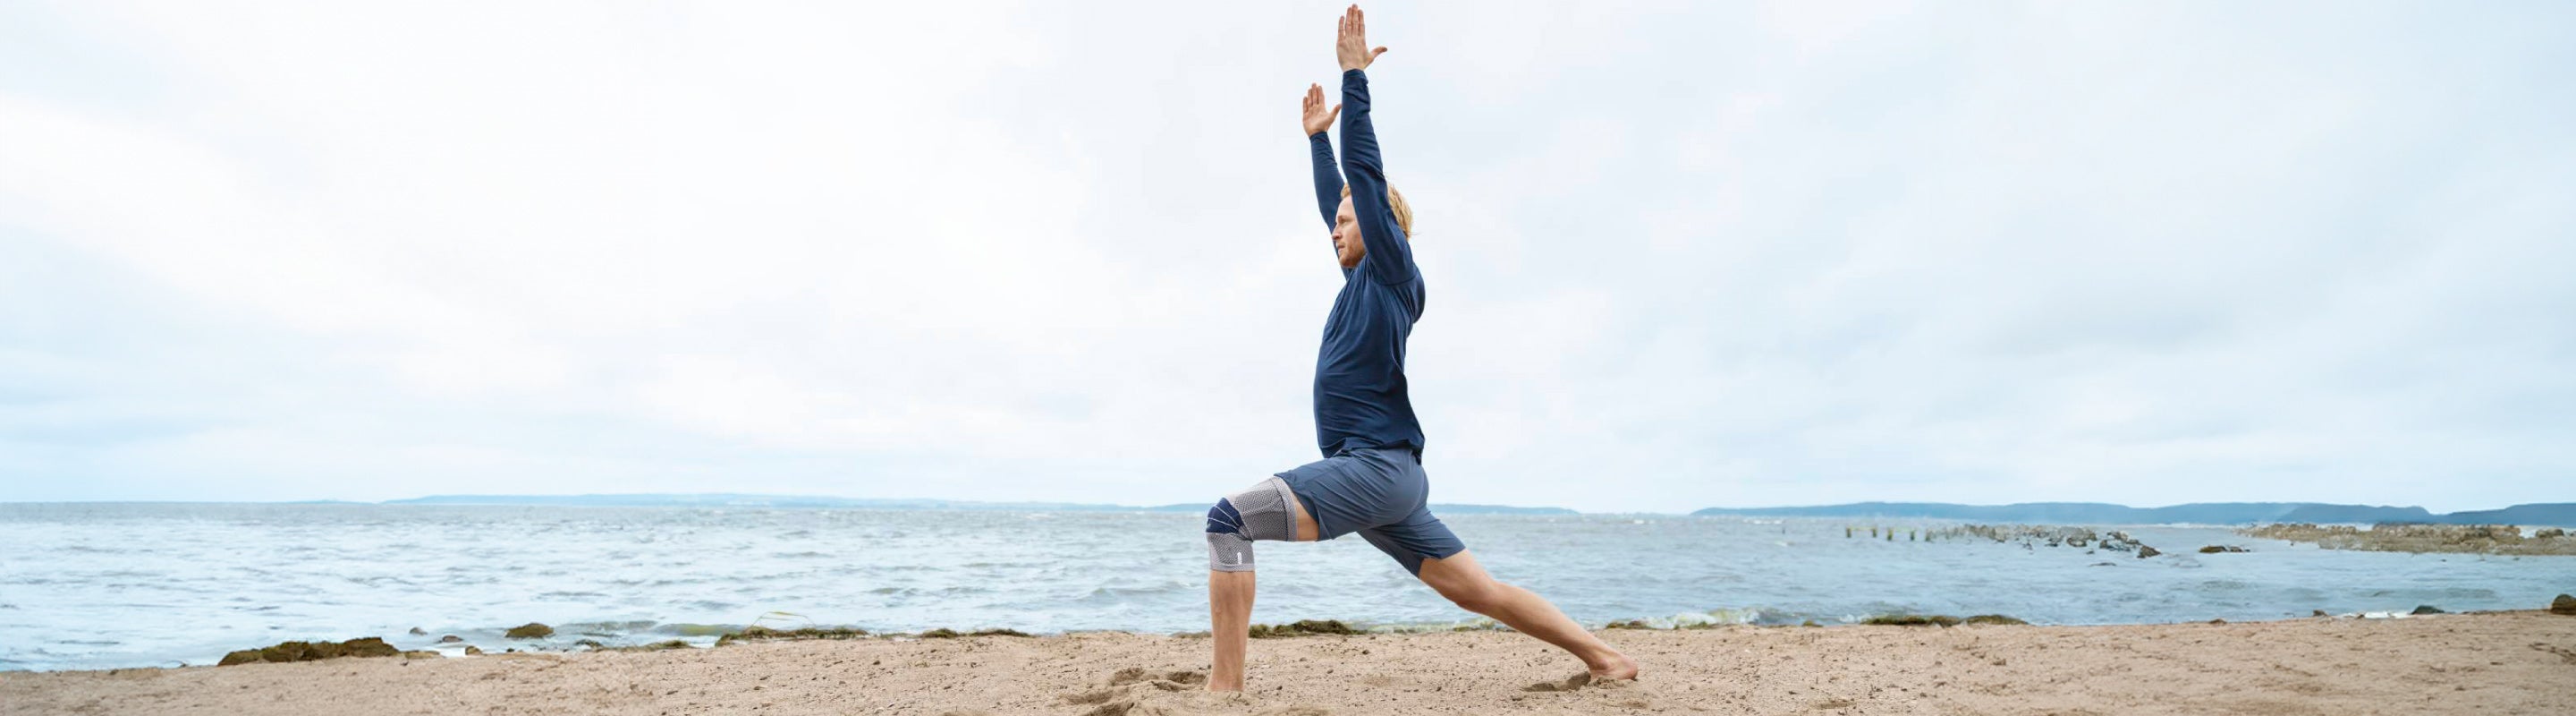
[1394, 203]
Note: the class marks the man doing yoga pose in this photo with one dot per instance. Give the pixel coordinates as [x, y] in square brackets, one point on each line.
[1370, 480]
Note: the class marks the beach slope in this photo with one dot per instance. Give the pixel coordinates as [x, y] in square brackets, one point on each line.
[2491, 663]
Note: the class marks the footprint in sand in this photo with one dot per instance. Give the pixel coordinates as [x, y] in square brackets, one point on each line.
[1132, 675]
[1584, 682]
[1087, 698]
[1121, 708]
[1570, 683]
[1122, 698]
[1134, 691]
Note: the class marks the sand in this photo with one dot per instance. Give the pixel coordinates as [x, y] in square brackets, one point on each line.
[2490, 663]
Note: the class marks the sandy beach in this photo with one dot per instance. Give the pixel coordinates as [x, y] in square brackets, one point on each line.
[2488, 663]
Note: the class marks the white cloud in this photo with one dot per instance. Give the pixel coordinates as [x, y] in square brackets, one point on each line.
[1679, 255]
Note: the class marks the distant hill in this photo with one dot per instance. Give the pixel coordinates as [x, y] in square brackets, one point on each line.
[2561, 514]
[740, 500]
[2355, 514]
[2217, 513]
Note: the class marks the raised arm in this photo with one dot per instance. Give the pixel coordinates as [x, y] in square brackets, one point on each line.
[1328, 178]
[1389, 259]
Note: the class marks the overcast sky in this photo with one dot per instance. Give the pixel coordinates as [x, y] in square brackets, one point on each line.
[1678, 255]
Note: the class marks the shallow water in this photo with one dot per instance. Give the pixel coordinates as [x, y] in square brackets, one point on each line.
[120, 585]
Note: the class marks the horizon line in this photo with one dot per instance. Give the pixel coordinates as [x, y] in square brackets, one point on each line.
[1117, 506]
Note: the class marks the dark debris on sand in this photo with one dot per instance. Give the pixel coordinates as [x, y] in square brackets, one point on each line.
[1302, 627]
[947, 633]
[1643, 624]
[1939, 620]
[760, 633]
[311, 651]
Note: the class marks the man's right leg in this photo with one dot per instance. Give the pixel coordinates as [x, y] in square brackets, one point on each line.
[1267, 511]
[1459, 578]
[1229, 625]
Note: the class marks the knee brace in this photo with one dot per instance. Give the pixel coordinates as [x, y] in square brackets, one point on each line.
[1258, 513]
[1229, 552]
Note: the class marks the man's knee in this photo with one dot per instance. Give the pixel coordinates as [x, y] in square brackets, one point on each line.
[1224, 518]
[1261, 512]
[1254, 514]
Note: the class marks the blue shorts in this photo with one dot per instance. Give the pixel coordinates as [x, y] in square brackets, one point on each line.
[1382, 494]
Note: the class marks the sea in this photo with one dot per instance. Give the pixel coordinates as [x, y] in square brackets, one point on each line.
[99, 586]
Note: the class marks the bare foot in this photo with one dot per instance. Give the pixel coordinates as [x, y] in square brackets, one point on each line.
[1620, 668]
[1224, 685]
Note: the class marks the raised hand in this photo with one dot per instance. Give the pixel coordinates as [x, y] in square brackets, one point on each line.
[1317, 118]
[1351, 43]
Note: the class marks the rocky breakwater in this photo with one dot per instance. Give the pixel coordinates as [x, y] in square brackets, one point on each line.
[2035, 536]
[2459, 539]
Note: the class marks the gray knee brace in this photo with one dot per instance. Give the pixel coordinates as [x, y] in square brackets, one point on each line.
[1255, 514]
[1229, 552]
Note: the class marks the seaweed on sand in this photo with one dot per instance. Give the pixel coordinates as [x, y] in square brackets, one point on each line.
[761, 633]
[1302, 627]
[311, 651]
[1676, 625]
[1913, 620]
[947, 633]
[655, 646]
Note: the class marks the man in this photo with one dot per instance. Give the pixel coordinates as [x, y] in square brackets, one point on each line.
[1371, 480]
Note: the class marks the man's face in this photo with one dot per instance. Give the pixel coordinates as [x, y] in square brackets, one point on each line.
[1346, 236]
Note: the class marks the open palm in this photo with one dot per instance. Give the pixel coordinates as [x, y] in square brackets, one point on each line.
[1319, 117]
[1350, 44]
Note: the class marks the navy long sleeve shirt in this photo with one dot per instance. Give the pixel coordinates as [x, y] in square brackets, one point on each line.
[1360, 396]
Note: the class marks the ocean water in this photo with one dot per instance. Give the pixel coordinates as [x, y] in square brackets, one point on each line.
[87, 586]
